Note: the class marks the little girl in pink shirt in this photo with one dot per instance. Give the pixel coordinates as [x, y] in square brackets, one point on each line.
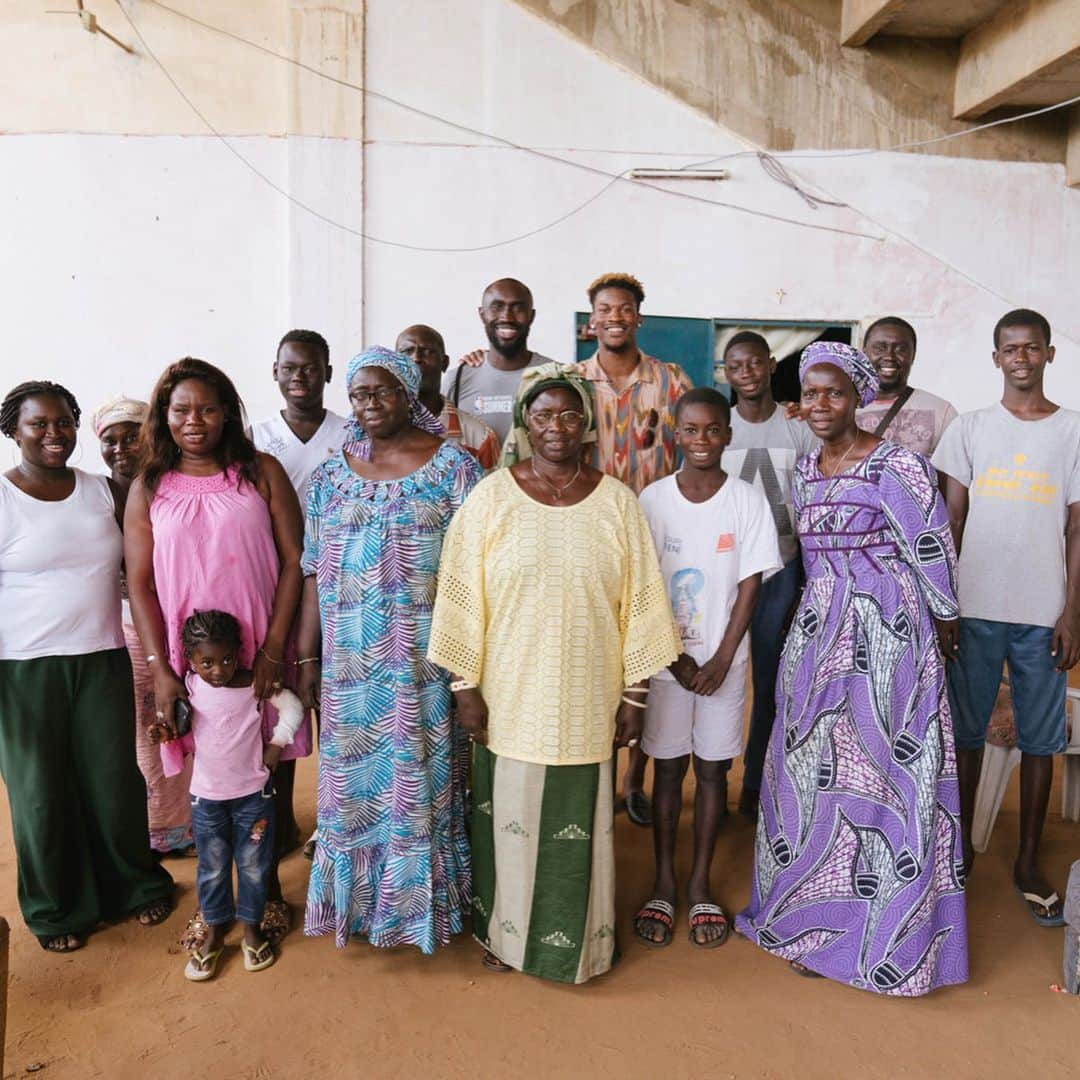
[232, 789]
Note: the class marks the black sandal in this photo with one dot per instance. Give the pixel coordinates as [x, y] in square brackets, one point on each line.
[708, 914]
[663, 914]
[155, 912]
[493, 963]
[639, 808]
[58, 943]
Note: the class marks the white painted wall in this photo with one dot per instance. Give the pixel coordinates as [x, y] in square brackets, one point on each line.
[121, 254]
[493, 66]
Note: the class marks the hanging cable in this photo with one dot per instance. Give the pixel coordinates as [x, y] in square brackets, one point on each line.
[611, 178]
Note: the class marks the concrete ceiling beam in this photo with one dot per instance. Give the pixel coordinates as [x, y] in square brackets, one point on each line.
[1027, 54]
[860, 20]
[1072, 149]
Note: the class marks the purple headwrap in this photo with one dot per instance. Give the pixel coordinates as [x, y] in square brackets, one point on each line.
[854, 363]
[408, 374]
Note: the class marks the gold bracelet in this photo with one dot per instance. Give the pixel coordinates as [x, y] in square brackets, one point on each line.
[636, 704]
[270, 658]
[309, 660]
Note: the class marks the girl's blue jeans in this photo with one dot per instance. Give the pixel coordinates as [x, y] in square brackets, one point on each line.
[234, 829]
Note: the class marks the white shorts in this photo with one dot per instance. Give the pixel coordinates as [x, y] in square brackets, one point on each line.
[678, 722]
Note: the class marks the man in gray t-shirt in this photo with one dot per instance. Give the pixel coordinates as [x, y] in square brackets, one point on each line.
[486, 381]
[765, 444]
[1012, 484]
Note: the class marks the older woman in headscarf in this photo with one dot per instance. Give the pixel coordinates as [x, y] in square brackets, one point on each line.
[858, 871]
[168, 806]
[392, 862]
[552, 615]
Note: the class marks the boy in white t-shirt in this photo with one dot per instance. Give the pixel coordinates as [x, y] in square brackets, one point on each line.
[301, 436]
[305, 433]
[716, 540]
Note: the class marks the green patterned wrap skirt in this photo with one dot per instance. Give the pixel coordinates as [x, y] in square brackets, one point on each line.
[544, 865]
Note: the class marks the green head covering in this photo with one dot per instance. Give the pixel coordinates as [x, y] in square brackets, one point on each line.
[534, 381]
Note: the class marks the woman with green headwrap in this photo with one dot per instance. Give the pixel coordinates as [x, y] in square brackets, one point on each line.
[552, 615]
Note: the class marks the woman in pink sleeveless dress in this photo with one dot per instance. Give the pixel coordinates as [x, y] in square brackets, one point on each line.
[212, 523]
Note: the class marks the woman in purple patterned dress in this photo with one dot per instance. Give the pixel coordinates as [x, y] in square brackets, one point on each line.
[858, 870]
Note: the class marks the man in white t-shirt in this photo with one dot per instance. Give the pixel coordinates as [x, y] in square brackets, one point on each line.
[301, 436]
[915, 419]
[305, 433]
[765, 444]
[716, 540]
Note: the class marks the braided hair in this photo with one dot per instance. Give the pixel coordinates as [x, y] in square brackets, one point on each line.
[9, 410]
[215, 627]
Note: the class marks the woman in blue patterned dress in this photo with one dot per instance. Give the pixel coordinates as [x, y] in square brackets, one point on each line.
[858, 873]
[392, 862]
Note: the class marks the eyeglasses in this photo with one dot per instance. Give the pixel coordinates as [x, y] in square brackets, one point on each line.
[568, 418]
[382, 394]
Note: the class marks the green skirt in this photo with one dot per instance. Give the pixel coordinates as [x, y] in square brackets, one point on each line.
[544, 866]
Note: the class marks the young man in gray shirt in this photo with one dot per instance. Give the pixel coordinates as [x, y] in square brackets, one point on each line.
[1012, 484]
[486, 380]
[765, 444]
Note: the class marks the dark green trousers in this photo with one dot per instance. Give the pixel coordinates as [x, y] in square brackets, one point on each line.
[78, 800]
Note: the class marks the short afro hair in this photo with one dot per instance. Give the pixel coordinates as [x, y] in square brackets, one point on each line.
[311, 339]
[704, 395]
[618, 281]
[748, 337]
[892, 320]
[1021, 317]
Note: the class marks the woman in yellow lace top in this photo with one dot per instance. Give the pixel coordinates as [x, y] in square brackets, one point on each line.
[552, 615]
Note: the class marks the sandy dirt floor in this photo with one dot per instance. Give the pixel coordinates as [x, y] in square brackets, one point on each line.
[120, 1008]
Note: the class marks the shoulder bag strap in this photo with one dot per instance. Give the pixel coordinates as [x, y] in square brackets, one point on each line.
[890, 416]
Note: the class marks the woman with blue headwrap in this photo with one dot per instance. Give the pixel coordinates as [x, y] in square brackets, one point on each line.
[858, 870]
[392, 862]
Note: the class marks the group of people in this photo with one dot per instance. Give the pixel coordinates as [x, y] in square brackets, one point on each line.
[487, 579]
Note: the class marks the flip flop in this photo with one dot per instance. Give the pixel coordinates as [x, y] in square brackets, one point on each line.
[708, 915]
[1035, 901]
[638, 808]
[657, 911]
[252, 954]
[202, 966]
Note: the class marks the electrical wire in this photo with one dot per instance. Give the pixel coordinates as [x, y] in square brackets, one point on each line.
[610, 178]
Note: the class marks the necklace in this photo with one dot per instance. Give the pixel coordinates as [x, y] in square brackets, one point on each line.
[844, 457]
[559, 491]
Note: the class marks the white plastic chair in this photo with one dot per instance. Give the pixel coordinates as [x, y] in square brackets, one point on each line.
[1070, 785]
[997, 766]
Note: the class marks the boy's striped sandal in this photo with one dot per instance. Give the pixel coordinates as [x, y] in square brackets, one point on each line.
[708, 915]
[663, 914]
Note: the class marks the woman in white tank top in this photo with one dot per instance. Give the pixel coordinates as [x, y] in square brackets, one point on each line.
[66, 695]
